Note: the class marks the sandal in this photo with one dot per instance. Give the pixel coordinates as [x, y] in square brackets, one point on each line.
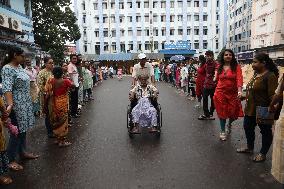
[29, 156]
[15, 166]
[259, 158]
[135, 131]
[244, 151]
[64, 144]
[5, 180]
[203, 117]
[153, 130]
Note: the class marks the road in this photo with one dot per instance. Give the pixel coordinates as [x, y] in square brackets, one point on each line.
[188, 155]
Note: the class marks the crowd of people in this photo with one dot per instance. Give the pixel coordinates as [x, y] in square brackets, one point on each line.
[222, 81]
[56, 93]
[59, 92]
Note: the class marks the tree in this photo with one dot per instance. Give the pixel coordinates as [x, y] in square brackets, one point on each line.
[54, 24]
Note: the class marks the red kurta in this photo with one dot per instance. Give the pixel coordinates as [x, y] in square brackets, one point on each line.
[226, 100]
[178, 76]
[201, 74]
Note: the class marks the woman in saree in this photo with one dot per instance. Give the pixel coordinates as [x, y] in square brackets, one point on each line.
[57, 101]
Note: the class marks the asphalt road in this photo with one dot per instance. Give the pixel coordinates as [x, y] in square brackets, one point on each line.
[188, 155]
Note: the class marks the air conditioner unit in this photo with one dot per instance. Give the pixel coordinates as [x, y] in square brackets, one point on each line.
[4, 21]
[15, 24]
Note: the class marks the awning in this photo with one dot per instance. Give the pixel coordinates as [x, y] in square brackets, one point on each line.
[177, 52]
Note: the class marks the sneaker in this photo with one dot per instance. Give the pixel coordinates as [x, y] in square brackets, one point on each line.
[223, 136]
[197, 106]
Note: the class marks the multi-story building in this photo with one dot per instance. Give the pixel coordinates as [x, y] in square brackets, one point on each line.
[239, 25]
[115, 26]
[16, 26]
[268, 27]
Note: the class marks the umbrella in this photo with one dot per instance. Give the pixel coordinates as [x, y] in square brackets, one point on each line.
[177, 58]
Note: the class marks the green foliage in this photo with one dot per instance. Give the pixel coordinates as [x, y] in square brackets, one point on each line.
[54, 24]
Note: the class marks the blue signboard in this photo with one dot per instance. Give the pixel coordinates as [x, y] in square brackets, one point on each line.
[177, 45]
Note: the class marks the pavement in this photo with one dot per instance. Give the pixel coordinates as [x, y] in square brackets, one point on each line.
[188, 155]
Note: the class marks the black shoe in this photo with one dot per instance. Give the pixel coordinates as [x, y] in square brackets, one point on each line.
[203, 117]
[75, 116]
[51, 136]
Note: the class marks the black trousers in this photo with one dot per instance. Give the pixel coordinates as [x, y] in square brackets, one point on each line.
[265, 130]
[206, 94]
[192, 89]
[74, 99]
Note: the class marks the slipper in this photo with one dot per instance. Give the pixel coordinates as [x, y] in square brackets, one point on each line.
[244, 151]
[64, 144]
[15, 166]
[4, 180]
[259, 158]
[29, 156]
[203, 117]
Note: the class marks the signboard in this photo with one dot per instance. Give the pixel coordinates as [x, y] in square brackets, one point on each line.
[177, 45]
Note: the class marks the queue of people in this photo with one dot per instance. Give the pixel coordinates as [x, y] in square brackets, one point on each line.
[222, 80]
[51, 91]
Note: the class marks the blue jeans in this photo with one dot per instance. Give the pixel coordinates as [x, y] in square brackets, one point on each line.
[16, 146]
[48, 126]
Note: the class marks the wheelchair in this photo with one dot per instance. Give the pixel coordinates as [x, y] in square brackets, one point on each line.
[130, 124]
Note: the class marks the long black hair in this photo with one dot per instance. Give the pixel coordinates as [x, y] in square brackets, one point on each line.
[202, 60]
[57, 72]
[268, 63]
[233, 63]
[11, 54]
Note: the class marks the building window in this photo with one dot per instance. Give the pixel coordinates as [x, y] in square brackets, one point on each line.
[218, 4]
[121, 6]
[139, 46]
[205, 45]
[85, 48]
[188, 18]
[129, 4]
[180, 17]
[147, 46]
[188, 3]
[95, 6]
[84, 19]
[172, 32]
[163, 18]
[129, 18]
[112, 5]
[121, 19]
[106, 48]
[155, 18]
[163, 32]
[146, 4]
[156, 45]
[180, 31]
[180, 5]
[155, 4]
[196, 3]
[196, 31]
[104, 5]
[163, 5]
[172, 18]
[196, 17]
[105, 33]
[139, 32]
[130, 32]
[146, 18]
[147, 32]
[217, 29]
[205, 17]
[97, 19]
[122, 33]
[172, 4]
[130, 47]
[156, 32]
[205, 3]
[138, 18]
[196, 45]
[188, 31]
[205, 31]
[217, 44]
[6, 3]
[113, 33]
[97, 33]
[113, 47]
[85, 32]
[217, 16]
[112, 19]
[138, 4]
[105, 20]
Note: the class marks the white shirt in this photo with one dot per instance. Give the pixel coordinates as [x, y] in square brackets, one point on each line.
[111, 69]
[74, 75]
[146, 70]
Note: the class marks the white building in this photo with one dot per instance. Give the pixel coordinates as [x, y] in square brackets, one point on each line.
[239, 25]
[114, 26]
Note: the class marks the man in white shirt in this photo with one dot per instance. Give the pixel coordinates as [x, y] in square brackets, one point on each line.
[143, 68]
[74, 76]
[111, 72]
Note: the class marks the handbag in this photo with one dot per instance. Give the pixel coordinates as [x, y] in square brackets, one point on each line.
[263, 116]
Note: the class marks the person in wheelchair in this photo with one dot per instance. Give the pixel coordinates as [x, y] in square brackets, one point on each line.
[144, 105]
